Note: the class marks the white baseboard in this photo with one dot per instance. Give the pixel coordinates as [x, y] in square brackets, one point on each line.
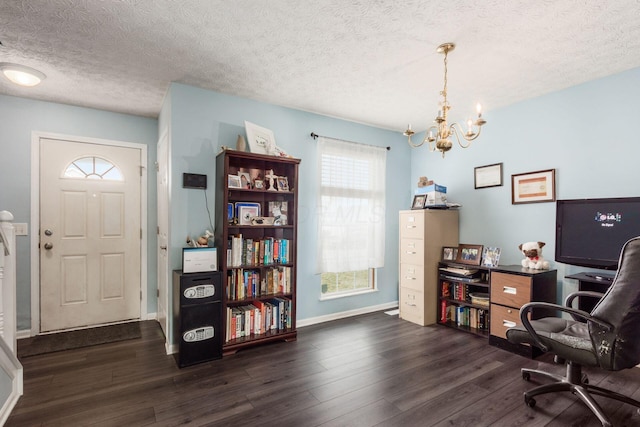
[350, 313]
[25, 333]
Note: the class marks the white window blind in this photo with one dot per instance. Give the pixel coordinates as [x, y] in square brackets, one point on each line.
[351, 203]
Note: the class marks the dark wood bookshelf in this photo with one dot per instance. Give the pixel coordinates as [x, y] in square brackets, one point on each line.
[508, 288]
[230, 162]
[479, 283]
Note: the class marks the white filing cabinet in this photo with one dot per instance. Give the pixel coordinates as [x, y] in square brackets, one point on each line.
[423, 233]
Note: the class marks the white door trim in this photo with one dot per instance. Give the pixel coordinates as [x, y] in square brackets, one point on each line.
[36, 136]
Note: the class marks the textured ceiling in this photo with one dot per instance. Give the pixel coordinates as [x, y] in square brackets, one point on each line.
[369, 61]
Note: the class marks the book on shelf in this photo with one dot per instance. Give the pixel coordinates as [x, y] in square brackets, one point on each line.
[258, 318]
[268, 251]
[248, 283]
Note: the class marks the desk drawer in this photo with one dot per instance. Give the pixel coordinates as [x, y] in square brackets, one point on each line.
[412, 251]
[412, 276]
[412, 224]
[510, 289]
[503, 318]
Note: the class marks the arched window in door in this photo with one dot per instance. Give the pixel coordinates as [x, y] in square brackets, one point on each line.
[93, 168]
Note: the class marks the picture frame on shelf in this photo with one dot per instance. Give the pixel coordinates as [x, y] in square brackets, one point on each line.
[261, 140]
[258, 184]
[418, 201]
[469, 254]
[533, 187]
[278, 210]
[230, 213]
[487, 176]
[246, 212]
[283, 183]
[490, 257]
[449, 253]
[233, 181]
[245, 180]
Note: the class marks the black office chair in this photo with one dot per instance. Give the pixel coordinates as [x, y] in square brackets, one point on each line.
[608, 337]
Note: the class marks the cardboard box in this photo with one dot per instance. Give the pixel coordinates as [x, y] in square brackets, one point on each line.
[430, 188]
[435, 199]
[436, 195]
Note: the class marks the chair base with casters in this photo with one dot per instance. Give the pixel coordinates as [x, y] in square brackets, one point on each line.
[576, 382]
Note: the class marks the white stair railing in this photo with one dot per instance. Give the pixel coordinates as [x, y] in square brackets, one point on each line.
[10, 367]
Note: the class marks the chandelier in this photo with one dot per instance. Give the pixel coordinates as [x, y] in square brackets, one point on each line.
[441, 132]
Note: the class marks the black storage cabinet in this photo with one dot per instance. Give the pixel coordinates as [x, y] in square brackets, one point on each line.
[197, 316]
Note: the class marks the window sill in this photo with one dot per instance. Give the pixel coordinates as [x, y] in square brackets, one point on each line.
[324, 297]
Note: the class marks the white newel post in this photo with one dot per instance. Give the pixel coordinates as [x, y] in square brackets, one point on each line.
[8, 280]
[12, 381]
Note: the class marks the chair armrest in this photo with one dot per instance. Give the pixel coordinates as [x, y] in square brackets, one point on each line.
[569, 300]
[525, 309]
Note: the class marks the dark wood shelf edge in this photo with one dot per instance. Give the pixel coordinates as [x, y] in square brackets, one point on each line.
[464, 303]
[479, 284]
[258, 298]
[249, 267]
[233, 346]
[473, 331]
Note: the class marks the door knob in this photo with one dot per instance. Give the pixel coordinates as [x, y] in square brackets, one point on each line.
[48, 232]
[48, 246]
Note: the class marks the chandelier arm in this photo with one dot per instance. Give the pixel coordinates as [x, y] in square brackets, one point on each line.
[414, 145]
[456, 130]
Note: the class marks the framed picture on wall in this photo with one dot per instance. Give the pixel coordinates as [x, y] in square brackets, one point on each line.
[487, 176]
[533, 187]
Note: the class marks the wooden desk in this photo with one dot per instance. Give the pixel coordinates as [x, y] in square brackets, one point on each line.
[597, 282]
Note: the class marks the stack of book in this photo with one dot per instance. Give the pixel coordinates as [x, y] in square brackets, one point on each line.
[247, 283]
[260, 317]
[244, 252]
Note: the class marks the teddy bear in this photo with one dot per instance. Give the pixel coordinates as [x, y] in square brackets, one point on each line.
[533, 256]
[424, 182]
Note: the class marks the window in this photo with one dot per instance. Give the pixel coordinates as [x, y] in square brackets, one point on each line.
[348, 282]
[93, 168]
[351, 220]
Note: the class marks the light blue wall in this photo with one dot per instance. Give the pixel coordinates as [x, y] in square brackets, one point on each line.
[587, 133]
[20, 117]
[202, 121]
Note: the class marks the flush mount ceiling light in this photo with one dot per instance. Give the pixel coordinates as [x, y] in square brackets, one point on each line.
[442, 129]
[21, 74]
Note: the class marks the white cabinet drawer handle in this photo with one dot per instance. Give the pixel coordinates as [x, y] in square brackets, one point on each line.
[411, 226]
[409, 278]
[508, 324]
[509, 290]
[411, 252]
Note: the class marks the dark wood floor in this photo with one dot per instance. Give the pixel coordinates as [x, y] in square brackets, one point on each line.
[370, 370]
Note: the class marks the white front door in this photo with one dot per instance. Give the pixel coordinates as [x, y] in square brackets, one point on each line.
[163, 227]
[90, 234]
